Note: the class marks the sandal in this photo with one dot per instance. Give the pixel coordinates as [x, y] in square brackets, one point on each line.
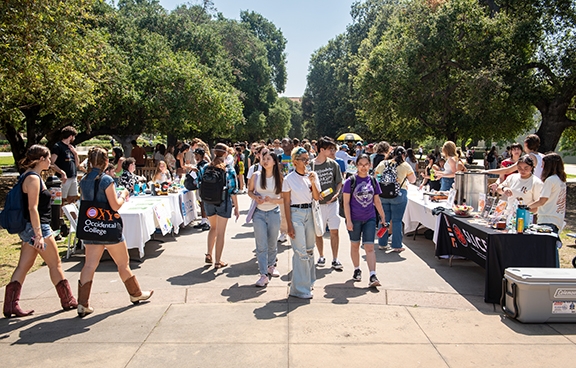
[220, 264]
[208, 258]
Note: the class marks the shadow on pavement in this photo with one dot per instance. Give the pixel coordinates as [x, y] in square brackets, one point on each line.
[45, 332]
[342, 293]
[237, 293]
[194, 277]
[279, 308]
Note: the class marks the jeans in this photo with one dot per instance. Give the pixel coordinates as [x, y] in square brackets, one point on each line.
[446, 183]
[266, 229]
[304, 272]
[394, 211]
[363, 229]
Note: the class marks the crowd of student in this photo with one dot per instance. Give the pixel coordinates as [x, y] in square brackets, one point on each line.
[283, 178]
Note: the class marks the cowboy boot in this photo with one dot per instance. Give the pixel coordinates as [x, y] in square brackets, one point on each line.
[136, 294]
[11, 299]
[67, 300]
[83, 296]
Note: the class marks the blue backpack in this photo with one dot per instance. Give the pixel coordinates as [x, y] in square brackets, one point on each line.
[12, 217]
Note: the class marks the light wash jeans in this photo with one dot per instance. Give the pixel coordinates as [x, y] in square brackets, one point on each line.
[394, 211]
[304, 272]
[266, 229]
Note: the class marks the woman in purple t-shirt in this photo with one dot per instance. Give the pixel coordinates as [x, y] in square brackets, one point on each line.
[360, 197]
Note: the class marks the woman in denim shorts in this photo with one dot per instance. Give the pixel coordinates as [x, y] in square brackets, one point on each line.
[218, 215]
[37, 237]
[106, 192]
[359, 202]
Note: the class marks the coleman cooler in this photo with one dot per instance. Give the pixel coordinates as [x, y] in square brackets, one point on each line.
[539, 295]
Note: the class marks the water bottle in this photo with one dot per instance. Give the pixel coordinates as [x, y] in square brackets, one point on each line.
[136, 189]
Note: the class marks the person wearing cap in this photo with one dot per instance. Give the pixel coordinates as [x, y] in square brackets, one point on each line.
[359, 149]
[343, 155]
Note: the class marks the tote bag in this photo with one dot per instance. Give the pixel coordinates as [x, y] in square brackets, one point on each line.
[98, 221]
[319, 227]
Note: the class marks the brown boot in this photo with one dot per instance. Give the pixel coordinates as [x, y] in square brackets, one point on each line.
[83, 296]
[65, 293]
[136, 294]
[11, 299]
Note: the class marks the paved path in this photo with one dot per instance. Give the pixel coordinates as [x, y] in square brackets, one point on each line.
[426, 314]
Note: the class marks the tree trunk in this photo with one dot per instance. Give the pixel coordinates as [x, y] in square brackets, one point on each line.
[125, 140]
[16, 141]
[554, 122]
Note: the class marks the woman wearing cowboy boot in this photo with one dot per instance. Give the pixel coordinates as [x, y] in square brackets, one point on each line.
[37, 236]
[106, 192]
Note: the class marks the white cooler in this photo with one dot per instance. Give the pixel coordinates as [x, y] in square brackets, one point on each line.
[539, 295]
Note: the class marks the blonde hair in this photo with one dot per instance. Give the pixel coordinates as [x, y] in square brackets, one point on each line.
[449, 149]
[297, 152]
[220, 152]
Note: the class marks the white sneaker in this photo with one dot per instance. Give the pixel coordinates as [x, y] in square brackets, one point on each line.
[282, 238]
[273, 272]
[263, 281]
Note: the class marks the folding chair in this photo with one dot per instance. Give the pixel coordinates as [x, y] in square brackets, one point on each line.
[71, 213]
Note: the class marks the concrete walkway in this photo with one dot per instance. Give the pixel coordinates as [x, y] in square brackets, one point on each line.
[426, 314]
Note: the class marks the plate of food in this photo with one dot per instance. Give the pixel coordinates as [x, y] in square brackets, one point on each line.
[462, 210]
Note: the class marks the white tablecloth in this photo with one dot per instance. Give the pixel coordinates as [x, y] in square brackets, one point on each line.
[141, 220]
[419, 211]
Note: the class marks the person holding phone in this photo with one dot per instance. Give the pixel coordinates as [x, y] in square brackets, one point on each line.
[37, 238]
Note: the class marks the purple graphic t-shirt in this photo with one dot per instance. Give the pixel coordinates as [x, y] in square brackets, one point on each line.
[362, 200]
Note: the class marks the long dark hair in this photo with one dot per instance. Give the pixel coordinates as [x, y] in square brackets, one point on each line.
[411, 155]
[553, 165]
[398, 154]
[275, 173]
[118, 153]
[33, 156]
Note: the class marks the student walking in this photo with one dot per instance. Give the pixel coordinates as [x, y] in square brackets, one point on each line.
[37, 238]
[100, 187]
[298, 190]
[265, 188]
[360, 197]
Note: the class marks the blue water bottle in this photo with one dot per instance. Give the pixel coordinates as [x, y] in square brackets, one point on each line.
[522, 213]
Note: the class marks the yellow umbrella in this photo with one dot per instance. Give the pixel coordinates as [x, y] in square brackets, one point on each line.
[349, 137]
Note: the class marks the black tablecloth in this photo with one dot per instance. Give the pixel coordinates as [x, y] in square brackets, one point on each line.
[494, 250]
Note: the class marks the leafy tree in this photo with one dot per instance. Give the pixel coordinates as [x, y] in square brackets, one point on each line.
[440, 71]
[278, 120]
[275, 44]
[51, 62]
[296, 118]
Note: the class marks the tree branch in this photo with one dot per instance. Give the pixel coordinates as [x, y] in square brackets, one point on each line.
[546, 69]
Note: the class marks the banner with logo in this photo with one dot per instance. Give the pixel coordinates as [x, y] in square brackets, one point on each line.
[456, 237]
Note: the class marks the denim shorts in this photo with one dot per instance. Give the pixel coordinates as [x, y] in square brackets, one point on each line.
[28, 232]
[224, 210]
[365, 229]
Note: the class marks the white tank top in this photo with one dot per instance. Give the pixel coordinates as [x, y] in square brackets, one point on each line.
[447, 167]
[539, 164]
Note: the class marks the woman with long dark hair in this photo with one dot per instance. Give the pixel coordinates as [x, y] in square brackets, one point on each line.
[37, 238]
[394, 207]
[104, 192]
[218, 215]
[266, 189]
[429, 174]
[552, 203]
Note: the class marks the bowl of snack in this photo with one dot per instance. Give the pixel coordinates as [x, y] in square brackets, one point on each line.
[462, 210]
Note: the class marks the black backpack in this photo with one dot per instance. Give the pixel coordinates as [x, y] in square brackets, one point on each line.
[12, 217]
[213, 185]
[490, 157]
[388, 181]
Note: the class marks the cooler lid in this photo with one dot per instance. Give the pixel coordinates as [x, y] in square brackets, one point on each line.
[541, 274]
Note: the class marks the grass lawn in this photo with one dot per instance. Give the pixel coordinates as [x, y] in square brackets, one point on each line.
[570, 176]
[10, 252]
[6, 160]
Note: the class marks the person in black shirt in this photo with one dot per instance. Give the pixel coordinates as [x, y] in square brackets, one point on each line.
[37, 237]
[64, 162]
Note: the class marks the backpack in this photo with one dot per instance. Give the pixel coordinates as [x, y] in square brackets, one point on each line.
[388, 181]
[490, 157]
[213, 185]
[12, 217]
